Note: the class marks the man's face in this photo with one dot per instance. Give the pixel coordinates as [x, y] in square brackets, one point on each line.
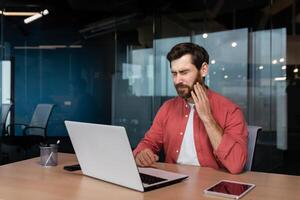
[185, 75]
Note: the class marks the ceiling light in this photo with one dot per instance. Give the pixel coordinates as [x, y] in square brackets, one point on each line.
[17, 14]
[274, 62]
[234, 44]
[32, 18]
[36, 16]
[45, 12]
[283, 78]
[48, 47]
[226, 76]
[204, 35]
[213, 62]
[283, 67]
[52, 46]
[261, 67]
[295, 70]
[75, 46]
[281, 60]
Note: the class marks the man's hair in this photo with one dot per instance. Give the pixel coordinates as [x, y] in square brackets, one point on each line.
[198, 53]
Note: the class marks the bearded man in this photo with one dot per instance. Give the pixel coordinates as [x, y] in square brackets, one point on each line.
[198, 127]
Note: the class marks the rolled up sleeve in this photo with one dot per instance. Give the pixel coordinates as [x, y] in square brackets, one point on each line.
[154, 137]
[232, 151]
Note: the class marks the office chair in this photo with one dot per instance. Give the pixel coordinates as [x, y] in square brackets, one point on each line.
[6, 108]
[252, 138]
[33, 133]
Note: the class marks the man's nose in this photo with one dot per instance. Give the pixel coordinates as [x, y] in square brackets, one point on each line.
[177, 79]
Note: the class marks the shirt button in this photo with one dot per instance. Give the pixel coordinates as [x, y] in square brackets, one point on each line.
[177, 151]
[186, 115]
[181, 133]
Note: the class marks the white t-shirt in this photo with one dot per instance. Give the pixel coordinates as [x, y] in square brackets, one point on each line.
[187, 154]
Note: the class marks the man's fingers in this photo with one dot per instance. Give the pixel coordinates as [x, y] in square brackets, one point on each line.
[146, 158]
[150, 157]
[194, 97]
[201, 91]
[198, 91]
[153, 156]
[138, 161]
[143, 159]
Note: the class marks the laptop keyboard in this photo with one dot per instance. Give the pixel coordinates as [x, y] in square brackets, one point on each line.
[148, 179]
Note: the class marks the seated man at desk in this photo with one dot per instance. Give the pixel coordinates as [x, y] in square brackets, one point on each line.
[198, 127]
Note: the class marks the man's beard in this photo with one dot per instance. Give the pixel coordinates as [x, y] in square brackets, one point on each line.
[185, 91]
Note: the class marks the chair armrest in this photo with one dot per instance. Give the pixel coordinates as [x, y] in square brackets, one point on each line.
[15, 124]
[32, 127]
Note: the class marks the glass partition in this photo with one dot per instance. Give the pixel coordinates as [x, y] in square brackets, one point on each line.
[228, 67]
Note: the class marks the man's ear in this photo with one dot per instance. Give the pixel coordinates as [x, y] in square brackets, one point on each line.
[204, 69]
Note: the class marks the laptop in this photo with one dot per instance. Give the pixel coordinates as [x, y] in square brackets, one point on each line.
[104, 152]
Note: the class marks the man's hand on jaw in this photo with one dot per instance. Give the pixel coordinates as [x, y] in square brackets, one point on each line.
[145, 158]
[201, 101]
[214, 131]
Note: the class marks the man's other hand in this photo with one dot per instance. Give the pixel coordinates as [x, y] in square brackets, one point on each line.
[146, 158]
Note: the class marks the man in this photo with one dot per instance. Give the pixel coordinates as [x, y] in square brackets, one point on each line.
[199, 127]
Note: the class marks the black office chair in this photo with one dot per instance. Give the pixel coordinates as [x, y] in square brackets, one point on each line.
[6, 108]
[32, 134]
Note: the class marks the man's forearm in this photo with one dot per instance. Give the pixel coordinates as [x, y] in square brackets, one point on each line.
[214, 132]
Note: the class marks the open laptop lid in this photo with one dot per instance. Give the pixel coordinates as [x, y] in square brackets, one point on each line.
[104, 152]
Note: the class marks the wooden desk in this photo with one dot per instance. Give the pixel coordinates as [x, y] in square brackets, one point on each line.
[28, 180]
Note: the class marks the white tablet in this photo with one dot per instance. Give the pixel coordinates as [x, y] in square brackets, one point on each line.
[229, 189]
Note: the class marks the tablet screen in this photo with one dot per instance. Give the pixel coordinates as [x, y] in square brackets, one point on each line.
[230, 189]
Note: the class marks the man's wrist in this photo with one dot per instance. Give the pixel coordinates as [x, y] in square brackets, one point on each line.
[211, 123]
[209, 120]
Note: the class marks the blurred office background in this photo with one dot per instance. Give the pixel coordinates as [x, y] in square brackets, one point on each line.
[105, 62]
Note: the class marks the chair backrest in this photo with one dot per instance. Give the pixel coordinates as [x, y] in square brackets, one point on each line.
[6, 108]
[252, 137]
[40, 118]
